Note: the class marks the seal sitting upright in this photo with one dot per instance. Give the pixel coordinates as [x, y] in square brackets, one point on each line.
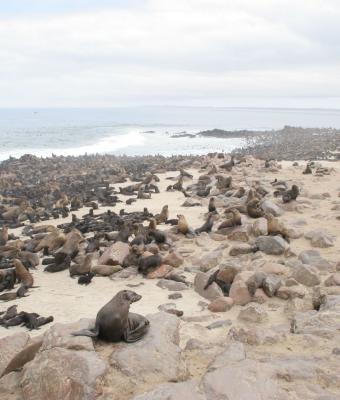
[114, 322]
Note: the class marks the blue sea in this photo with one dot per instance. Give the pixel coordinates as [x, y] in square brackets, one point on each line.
[141, 130]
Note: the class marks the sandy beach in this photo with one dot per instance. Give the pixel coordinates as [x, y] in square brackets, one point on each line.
[203, 332]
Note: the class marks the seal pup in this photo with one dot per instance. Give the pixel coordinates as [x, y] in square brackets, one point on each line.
[114, 322]
[21, 292]
[86, 279]
[9, 313]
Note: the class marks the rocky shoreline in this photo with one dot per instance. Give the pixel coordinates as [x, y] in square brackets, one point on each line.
[288, 143]
[236, 260]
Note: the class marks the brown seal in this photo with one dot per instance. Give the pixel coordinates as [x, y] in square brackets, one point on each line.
[149, 263]
[9, 296]
[152, 224]
[228, 165]
[234, 220]
[70, 247]
[212, 206]
[254, 209]
[163, 216]
[308, 170]
[179, 184]
[23, 276]
[182, 225]
[82, 268]
[207, 226]
[114, 322]
[3, 235]
[275, 227]
[239, 192]
[291, 194]
[223, 182]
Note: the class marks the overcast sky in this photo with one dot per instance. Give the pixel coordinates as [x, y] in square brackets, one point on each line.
[86, 53]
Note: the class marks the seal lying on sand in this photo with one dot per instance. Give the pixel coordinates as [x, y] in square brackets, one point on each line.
[115, 323]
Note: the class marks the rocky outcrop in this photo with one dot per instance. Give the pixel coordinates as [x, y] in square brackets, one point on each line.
[156, 357]
[212, 292]
[60, 373]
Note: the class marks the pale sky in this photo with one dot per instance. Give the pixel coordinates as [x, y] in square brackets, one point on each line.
[82, 53]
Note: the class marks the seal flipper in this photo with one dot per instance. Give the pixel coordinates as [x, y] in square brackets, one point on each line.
[137, 328]
[87, 332]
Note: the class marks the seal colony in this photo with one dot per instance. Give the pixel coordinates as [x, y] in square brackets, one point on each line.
[229, 246]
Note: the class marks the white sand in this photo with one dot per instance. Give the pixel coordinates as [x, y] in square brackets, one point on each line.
[62, 297]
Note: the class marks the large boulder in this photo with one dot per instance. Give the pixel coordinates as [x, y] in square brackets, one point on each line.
[221, 304]
[60, 335]
[306, 275]
[228, 270]
[24, 355]
[60, 373]
[242, 248]
[260, 227]
[115, 254]
[174, 259]
[239, 292]
[174, 391]
[10, 347]
[313, 257]
[239, 234]
[320, 238]
[212, 292]
[270, 207]
[243, 380]
[160, 272]
[210, 260]
[157, 356]
[291, 292]
[253, 313]
[272, 245]
[333, 280]
[271, 285]
[173, 286]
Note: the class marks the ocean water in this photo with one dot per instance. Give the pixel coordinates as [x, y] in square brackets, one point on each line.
[140, 130]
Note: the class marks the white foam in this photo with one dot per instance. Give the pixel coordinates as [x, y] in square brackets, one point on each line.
[104, 145]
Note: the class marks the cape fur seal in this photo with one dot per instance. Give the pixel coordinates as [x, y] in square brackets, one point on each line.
[182, 224]
[3, 235]
[291, 194]
[207, 226]
[163, 216]
[149, 263]
[234, 220]
[23, 276]
[114, 322]
[212, 206]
